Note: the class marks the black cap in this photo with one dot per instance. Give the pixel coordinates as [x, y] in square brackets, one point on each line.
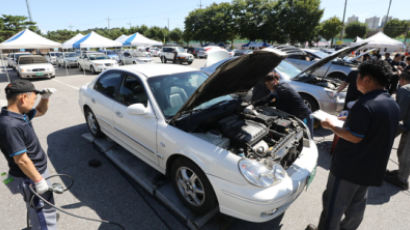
[20, 86]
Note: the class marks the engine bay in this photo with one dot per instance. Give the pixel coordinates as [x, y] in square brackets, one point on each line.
[262, 132]
[329, 83]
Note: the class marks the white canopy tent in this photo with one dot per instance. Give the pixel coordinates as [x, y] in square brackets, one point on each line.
[27, 39]
[122, 38]
[382, 41]
[69, 43]
[138, 39]
[94, 40]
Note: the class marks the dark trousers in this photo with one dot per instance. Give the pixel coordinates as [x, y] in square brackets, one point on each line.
[342, 197]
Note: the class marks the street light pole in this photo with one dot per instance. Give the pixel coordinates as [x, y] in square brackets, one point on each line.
[343, 21]
[387, 16]
[29, 11]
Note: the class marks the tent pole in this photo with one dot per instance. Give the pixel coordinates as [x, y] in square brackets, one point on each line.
[4, 67]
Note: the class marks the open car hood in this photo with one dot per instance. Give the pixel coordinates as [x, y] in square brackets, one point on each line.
[234, 76]
[341, 53]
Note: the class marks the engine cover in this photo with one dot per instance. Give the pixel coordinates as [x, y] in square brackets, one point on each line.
[242, 131]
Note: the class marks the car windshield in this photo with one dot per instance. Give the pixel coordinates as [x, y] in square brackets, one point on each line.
[16, 56]
[32, 60]
[180, 49]
[287, 70]
[320, 54]
[70, 55]
[172, 91]
[98, 57]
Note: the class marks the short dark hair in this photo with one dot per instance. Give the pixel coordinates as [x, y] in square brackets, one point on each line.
[405, 75]
[270, 76]
[408, 58]
[387, 54]
[12, 96]
[378, 70]
[397, 55]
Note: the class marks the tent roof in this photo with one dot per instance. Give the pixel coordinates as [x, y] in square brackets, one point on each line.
[27, 39]
[122, 38]
[381, 40]
[94, 40]
[138, 39]
[69, 43]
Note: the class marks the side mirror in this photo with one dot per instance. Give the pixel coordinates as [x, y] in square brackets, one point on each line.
[137, 109]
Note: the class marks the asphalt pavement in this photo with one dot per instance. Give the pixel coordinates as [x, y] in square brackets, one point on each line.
[105, 192]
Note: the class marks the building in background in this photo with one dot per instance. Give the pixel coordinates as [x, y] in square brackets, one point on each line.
[352, 19]
[372, 23]
[384, 20]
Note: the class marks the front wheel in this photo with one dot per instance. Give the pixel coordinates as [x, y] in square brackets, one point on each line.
[92, 123]
[192, 186]
[92, 70]
[310, 102]
[189, 63]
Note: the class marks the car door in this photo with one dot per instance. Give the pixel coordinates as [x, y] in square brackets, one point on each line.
[137, 132]
[127, 58]
[102, 99]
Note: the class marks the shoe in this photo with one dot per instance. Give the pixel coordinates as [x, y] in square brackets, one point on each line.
[394, 180]
[311, 227]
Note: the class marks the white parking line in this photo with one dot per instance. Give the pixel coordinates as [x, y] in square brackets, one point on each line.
[71, 86]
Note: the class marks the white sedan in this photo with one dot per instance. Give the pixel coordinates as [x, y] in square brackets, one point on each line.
[95, 62]
[218, 150]
[34, 66]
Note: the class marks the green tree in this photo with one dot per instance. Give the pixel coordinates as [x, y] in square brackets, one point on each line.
[396, 27]
[195, 25]
[255, 19]
[176, 35]
[330, 28]
[299, 18]
[11, 24]
[356, 29]
[60, 35]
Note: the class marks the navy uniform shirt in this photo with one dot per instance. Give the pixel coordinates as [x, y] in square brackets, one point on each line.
[17, 137]
[375, 118]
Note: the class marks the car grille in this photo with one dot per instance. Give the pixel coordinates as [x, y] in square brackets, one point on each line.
[37, 70]
[108, 64]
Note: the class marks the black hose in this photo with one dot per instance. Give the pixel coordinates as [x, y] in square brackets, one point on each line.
[35, 194]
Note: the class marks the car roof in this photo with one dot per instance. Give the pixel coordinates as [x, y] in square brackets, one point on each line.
[153, 70]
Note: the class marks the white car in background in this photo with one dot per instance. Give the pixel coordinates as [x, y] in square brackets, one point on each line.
[249, 161]
[53, 56]
[13, 58]
[34, 67]
[95, 62]
[68, 59]
[176, 54]
[134, 57]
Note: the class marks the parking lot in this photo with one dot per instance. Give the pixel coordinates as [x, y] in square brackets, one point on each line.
[105, 192]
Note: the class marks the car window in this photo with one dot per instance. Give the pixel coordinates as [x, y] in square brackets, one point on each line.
[108, 83]
[172, 91]
[132, 91]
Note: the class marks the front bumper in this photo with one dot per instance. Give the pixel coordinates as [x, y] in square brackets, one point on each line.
[255, 204]
[101, 68]
[34, 75]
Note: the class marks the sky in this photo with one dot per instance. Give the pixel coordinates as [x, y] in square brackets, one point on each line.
[85, 14]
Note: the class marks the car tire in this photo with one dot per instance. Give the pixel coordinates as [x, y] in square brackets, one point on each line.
[163, 59]
[92, 123]
[134, 62]
[80, 68]
[189, 63]
[310, 102]
[92, 70]
[192, 186]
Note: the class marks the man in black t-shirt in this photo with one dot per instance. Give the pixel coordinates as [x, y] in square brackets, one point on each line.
[26, 159]
[283, 97]
[362, 153]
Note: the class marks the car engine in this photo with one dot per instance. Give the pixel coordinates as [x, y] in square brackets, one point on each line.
[263, 133]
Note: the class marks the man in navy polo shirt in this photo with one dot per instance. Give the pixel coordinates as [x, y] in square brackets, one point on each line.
[21, 147]
[362, 153]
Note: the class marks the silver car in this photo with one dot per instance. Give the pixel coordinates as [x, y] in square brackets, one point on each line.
[302, 58]
[68, 59]
[318, 93]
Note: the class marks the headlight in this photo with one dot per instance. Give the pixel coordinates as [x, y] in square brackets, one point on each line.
[331, 94]
[259, 175]
[98, 64]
